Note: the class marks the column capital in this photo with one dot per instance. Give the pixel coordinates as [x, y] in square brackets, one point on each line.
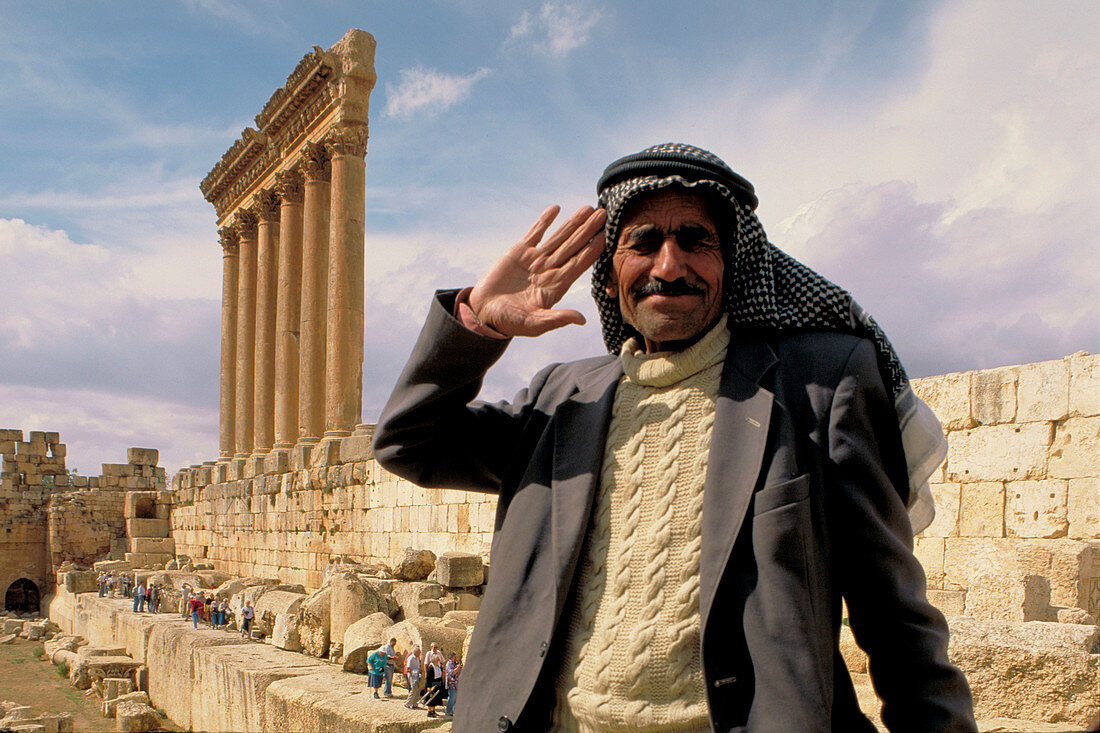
[347, 140]
[316, 162]
[266, 203]
[245, 223]
[230, 241]
[289, 185]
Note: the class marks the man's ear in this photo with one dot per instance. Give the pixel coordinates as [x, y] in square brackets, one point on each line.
[611, 287]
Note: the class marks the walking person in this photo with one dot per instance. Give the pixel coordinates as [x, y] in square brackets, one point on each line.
[197, 608]
[412, 674]
[377, 662]
[152, 597]
[185, 600]
[247, 614]
[433, 682]
[139, 599]
[391, 654]
[223, 613]
[450, 680]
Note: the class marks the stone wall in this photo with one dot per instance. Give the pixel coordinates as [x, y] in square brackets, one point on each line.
[1018, 498]
[289, 521]
[49, 516]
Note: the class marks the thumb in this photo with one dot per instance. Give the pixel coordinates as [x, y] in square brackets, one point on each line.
[549, 319]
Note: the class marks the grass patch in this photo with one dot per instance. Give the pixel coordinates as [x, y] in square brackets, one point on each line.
[39, 652]
[63, 670]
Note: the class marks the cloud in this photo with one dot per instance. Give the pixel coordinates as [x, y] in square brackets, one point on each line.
[427, 91]
[557, 29]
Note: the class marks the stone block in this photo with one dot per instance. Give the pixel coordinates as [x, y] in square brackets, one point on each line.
[152, 528]
[362, 638]
[1036, 509]
[949, 397]
[284, 633]
[110, 705]
[117, 686]
[930, 553]
[1042, 391]
[425, 632]
[272, 603]
[1031, 671]
[1075, 452]
[350, 600]
[1074, 616]
[467, 602]
[982, 509]
[142, 456]
[995, 597]
[313, 627]
[855, 659]
[414, 564]
[11, 434]
[1084, 384]
[80, 581]
[153, 545]
[950, 603]
[277, 461]
[459, 570]
[1083, 508]
[993, 396]
[135, 717]
[460, 619]
[946, 521]
[299, 456]
[999, 453]
[355, 448]
[326, 453]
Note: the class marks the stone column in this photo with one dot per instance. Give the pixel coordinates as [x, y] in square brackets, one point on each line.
[227, 407]
[266, 203]
[344, 347]
[288, 308]
[246, 331]
[311, 393]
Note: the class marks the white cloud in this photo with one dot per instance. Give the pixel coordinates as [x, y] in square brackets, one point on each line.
[557, 29]
[422, 90]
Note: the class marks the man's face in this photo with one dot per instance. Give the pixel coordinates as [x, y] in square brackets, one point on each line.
[667, 269]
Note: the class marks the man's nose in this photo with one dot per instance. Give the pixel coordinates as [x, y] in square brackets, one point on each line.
[670, 263]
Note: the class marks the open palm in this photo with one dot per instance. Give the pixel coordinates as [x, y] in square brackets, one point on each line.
[516, 297]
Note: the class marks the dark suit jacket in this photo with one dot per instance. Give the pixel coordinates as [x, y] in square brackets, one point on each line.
[803, 505]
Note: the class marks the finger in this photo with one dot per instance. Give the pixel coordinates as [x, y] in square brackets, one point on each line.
[580, 239]
[562, 233]
[547, 320]
[538, 229]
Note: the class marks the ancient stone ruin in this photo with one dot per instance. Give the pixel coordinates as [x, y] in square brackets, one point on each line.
[296, 521]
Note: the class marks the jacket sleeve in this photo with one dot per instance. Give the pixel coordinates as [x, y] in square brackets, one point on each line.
[883, 583]
[431, 431]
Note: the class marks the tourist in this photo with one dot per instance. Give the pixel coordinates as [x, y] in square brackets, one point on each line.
[111, 585]
[152, 597]
[433, 682]
[434, 655]
[139, 598]
[185, 600]
[377, 662]
[197, 609]
[247, 614]
[741, 441]
[391, 653]
[102, 581]
[223, 613]
[450, 680]
[412, 675]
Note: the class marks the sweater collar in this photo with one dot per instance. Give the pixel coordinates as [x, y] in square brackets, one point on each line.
[665, 368]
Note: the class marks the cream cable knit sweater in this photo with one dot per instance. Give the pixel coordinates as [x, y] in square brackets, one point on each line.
[632, 658]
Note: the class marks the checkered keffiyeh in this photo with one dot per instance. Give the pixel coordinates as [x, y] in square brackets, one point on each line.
[763, 287]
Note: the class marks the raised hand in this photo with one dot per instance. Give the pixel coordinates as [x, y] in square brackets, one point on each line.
[517, 294]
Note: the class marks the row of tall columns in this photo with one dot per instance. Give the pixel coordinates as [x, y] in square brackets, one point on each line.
[292, 304]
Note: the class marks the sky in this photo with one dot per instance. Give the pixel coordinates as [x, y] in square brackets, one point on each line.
[938, 159]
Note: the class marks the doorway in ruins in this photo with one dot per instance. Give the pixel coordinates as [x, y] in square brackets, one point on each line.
[145, 509]
[22, 597]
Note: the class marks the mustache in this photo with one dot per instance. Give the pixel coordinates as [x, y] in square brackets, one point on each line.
[679, 286]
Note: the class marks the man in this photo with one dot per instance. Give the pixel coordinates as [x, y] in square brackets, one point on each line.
[412, 675]
[247, 614]
[139, 598]
[391, 654]
[450, 678]
[678, 522]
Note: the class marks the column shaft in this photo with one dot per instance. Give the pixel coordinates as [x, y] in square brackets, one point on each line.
[227, 407]
[288, 309]
[246, 331]
[267, 257]
[311, 394]
[344, 347]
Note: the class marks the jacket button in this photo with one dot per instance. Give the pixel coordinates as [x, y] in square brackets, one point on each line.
[542, 649]
[504, 724]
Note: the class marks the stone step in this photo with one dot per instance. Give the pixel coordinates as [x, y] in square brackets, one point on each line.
[156, 528]
[150, 545]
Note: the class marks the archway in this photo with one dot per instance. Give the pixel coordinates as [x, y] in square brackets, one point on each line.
[22, 597]
[145, 509]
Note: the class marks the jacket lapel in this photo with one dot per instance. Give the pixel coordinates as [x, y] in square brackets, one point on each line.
[742, 416]
[580, 431]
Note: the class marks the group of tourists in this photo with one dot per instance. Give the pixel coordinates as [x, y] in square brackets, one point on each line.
[146, 595]
[209, 610]
[440, 677]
